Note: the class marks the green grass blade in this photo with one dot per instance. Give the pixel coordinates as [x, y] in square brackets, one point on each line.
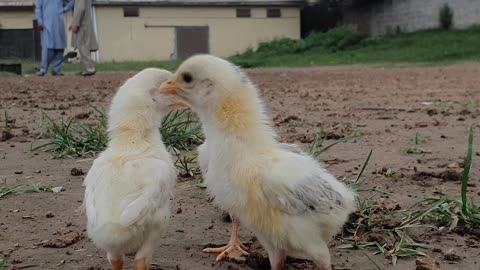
[377, 265]
[466, 172]
[346, 139]
[4, 191]
[364, 166]
[5, 113]
[317, 143]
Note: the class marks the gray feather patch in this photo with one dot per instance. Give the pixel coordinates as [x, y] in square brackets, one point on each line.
[311, 194]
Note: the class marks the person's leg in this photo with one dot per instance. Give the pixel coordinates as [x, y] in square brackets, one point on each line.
[57, 61]
[44, 63]
[86, 59]
[50, 55]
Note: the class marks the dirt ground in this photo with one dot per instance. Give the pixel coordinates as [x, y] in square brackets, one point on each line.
[387, 105]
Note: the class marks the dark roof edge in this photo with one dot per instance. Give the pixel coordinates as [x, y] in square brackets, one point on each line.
[202, 4]
[25, 7]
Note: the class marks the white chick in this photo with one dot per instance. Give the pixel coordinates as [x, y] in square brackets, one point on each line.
[293, 205]
[129, 186]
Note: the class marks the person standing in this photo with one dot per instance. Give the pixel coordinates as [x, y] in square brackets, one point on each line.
[83, 35]
[51, 23]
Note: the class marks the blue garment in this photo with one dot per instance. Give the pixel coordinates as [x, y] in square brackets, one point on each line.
[53, 37]
[50, 13]
[53, 57]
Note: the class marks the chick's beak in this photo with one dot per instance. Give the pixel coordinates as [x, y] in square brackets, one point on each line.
[170, 87]
[177, 103]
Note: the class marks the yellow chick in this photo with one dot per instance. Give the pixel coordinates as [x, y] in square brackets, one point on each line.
[292, 204]
[129, 186]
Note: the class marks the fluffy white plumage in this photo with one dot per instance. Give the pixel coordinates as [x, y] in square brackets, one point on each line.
[129, 186]
[287, 198]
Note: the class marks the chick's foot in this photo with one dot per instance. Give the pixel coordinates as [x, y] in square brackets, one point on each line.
[117, 263]
[234, 249]
[141, 264]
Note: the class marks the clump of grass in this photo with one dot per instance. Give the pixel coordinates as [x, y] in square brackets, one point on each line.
[39, 187]
[416, 140]
[6, 190]
[444, 211]
[370, 215]
[72, 138]
[181, 129]
[434, 213]
[405, 247]
[3, 263]
[20, 189]
[185, 164]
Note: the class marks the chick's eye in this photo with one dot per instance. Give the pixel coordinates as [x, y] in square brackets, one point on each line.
[187, 77]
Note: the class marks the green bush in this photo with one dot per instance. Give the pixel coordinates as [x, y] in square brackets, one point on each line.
[432, 46]
[283, 45]
[339, 38]
[446, 17]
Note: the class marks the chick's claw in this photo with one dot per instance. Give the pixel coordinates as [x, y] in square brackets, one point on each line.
[234, 250]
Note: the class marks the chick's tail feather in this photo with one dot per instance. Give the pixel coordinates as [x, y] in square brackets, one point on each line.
[111, 236]
[341, 215]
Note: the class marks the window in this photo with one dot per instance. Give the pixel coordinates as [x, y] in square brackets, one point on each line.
[130, 12]
[273, 13]
[243, 13]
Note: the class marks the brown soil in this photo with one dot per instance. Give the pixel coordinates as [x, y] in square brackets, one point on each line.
[47, 230]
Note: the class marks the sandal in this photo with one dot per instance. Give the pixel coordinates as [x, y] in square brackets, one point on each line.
[87, 73]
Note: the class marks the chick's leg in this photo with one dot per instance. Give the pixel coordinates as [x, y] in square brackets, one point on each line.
[115, 261]
[144, 254]
[277, 259]
[322, 259]
[322, 265]
[234, 246]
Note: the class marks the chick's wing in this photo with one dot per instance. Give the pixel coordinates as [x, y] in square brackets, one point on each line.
[296, 184]
[155, 185]
[98, 171]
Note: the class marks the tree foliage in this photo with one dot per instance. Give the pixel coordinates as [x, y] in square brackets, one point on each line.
[446, 17]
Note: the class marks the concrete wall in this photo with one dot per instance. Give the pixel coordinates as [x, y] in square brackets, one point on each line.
[411, 15]
[16, 19]
[23, 19]
[151, 36]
